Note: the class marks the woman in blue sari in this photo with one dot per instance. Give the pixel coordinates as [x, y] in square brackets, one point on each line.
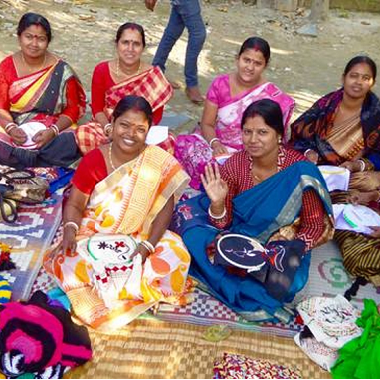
[267, 192]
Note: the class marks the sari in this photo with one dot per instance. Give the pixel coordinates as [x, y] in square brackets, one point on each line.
[315, 130]
[43, 96]
[126, 202]
[260, 212]
[336, 144]
[150, 84]
[194, 152]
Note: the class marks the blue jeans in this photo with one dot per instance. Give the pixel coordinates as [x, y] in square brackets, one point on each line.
[184, 13]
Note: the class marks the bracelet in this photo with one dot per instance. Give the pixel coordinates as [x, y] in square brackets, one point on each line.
[221, 216]
[362, 165]
[55, 129]
[307, 151]
[148, 245]
[72, 224]
[107, 128]
[10, 126]
[213, 140]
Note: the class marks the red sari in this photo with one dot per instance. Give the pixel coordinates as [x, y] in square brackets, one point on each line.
[150, 84]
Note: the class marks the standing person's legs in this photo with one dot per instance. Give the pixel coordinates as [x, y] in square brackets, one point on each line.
[172, 32]
[191, 15]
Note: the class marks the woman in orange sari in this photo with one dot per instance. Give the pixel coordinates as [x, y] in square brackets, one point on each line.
[38, 86]
[114, 79]
[122, 190]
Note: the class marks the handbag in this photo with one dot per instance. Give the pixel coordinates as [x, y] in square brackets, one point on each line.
[8, 211]
[24, 186]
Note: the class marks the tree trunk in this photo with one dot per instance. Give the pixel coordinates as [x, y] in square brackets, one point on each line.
[319, 10]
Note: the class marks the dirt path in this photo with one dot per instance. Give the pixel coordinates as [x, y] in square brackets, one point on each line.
[305, 67]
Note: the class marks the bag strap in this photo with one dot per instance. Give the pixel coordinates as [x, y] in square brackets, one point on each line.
[13, 215]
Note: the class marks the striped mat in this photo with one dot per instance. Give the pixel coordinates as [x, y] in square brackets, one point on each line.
[156, 349]
[327, 277]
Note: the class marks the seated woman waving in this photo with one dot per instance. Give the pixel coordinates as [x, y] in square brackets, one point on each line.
[266, 192]
[123, 188]
[227, 98]
[40, 97]
[128, 74]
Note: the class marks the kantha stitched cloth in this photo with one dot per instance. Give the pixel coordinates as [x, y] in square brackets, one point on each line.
[234, 366]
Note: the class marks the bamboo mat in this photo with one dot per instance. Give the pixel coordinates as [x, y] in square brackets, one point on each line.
[156, 349]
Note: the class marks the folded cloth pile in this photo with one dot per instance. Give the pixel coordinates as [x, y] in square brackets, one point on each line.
[39, 340]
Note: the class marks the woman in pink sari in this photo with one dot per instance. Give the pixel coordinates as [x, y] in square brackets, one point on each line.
[227, 98]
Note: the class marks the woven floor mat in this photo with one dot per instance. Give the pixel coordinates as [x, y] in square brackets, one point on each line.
[156, 349]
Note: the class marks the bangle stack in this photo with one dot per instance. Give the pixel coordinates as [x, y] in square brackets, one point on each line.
[10, 126]
[73, 225]
[362, 165]
[148, 245]
[221, 216]
[55, 129]
[212, 141]
[107, 129]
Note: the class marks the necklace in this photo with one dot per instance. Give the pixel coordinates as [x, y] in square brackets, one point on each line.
[110, 157]
[122, 73]
[31, 69]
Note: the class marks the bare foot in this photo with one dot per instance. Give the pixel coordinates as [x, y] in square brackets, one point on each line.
[174, 84]
[194, 95]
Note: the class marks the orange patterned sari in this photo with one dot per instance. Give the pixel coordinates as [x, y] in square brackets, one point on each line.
[127, 202]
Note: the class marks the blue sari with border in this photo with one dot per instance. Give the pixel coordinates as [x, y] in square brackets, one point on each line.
[258, 212]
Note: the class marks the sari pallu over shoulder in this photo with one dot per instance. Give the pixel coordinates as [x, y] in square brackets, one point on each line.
[258, 212]
[310, 130]
[127, 202]
[150, 84]
[44, 93]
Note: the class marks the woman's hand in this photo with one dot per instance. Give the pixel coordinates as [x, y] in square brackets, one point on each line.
[150, 4]
[143, 251]
[214, 185]
[352, 166]
[41, 138]
[312, 156]
[375, 232]
[218, 148]
[18, 136]
[69, 239]
[363, 198]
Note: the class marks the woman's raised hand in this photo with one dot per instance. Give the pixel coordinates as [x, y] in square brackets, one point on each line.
[216, 188]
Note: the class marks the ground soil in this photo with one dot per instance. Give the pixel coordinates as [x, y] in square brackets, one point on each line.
[306, 67]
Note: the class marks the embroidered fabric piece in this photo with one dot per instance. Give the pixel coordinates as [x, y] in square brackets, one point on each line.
[234, 366]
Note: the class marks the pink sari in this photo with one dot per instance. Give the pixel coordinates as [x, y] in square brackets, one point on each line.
[194, 152]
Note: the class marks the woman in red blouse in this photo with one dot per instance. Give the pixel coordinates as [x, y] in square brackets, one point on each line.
[37, 86]
[112, 80]
[267, 192]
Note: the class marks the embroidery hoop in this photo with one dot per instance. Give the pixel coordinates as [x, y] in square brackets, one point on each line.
[256, 245]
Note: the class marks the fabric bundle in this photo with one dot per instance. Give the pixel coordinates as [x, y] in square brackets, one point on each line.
[330, 323]
[234, 366]
[40, 340]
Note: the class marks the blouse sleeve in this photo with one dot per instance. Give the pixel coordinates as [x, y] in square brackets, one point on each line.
[312, 219]
[73, 100]
[99, 87]
[4, 86]
[227, 174]
[91, 170]
[213, 93]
